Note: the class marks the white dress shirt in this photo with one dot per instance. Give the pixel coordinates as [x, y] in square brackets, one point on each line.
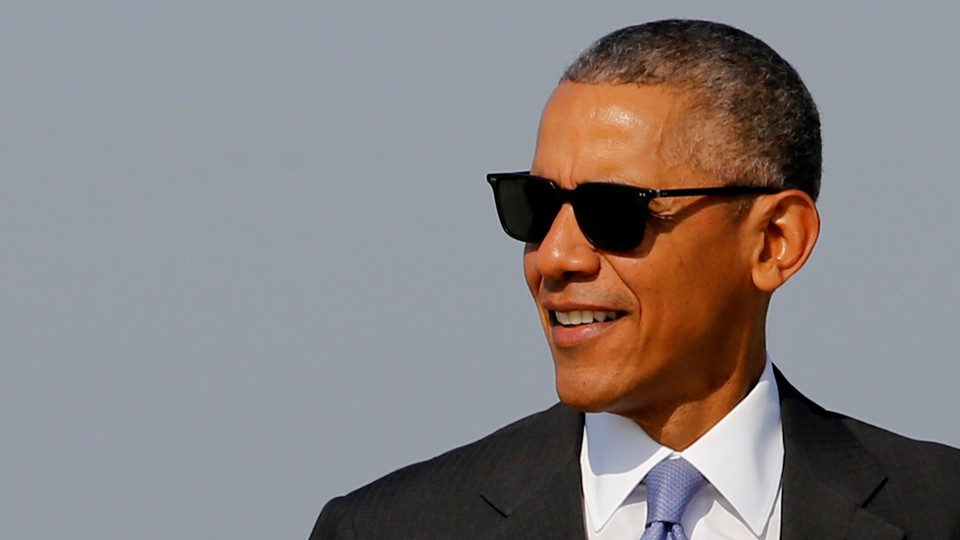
[741, 456]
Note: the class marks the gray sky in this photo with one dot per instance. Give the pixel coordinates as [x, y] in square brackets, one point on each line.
[249, 260]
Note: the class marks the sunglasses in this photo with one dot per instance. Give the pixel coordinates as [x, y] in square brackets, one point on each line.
[612, 217]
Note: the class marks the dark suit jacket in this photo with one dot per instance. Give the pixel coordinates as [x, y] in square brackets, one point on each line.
[841, 479]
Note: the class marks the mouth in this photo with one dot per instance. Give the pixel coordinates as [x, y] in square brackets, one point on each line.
[574, 318]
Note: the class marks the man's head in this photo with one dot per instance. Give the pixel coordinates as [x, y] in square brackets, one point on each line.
[677, 323]
[750, 119]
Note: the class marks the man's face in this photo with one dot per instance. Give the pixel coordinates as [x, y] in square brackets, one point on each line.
[682, 302]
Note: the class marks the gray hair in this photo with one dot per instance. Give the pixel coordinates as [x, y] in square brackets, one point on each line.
[751, 118]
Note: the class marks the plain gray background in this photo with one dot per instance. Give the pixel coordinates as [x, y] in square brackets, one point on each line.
[249, 261]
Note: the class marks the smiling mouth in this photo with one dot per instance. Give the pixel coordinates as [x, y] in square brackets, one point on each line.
[581, 317]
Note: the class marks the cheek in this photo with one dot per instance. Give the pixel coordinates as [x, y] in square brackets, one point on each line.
[530, 274]
[649, 278]
[671, 286]
[682, 291]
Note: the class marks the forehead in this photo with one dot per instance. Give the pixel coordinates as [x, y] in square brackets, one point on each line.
[612, 131]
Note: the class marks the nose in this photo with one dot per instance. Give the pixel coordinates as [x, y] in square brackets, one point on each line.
[565, 254]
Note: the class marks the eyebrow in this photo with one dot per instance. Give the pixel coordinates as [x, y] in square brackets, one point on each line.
[612, 180]
[597, 180]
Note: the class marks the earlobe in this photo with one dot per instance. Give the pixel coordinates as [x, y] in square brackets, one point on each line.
[788, 227]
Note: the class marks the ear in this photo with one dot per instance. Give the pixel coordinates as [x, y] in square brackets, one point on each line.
[788, 225]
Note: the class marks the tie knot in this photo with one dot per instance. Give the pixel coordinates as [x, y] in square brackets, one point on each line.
[671, 485]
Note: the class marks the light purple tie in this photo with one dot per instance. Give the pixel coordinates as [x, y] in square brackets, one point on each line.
[671, 485]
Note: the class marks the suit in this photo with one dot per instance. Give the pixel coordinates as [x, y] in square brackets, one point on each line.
[841, 479]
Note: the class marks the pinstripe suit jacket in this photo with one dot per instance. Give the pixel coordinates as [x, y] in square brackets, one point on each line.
[841, 479]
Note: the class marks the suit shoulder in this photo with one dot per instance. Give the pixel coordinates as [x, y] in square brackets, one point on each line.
[921, 480]
[453, 479]
[898, 452]
[528, 433]
[334, 522]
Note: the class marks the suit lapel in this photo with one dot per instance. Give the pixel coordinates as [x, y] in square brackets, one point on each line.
[828, 478]
[539, 496]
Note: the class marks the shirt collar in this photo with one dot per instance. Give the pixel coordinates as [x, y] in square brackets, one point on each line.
[741, 456]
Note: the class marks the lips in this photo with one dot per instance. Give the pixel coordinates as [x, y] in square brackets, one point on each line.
[579, 317]
[571, 327]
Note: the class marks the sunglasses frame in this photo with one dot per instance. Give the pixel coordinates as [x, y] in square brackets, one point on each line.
[567, 196]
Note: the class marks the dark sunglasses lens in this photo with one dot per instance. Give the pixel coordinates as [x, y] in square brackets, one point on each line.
[612, 217]
[527, 207]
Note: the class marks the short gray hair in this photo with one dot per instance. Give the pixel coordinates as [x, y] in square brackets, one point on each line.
[752, 119]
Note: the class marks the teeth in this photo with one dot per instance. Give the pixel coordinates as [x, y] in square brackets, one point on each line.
[572, 318]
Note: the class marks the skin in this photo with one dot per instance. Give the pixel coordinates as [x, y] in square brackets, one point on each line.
[693, 297]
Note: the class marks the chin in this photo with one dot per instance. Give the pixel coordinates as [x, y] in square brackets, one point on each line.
[585, 395]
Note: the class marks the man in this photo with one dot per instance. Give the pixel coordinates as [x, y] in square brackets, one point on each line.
[672, 192]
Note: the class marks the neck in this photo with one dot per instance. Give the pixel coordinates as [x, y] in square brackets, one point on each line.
[678, 425]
